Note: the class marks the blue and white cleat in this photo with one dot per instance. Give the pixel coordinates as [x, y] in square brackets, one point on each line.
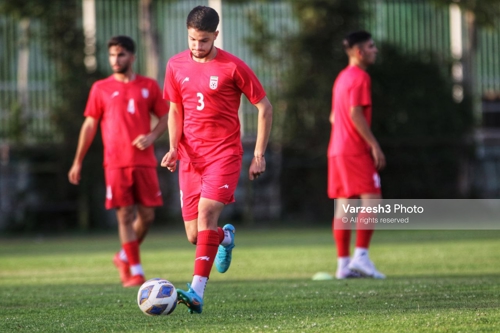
[191, 299]
[224, 254]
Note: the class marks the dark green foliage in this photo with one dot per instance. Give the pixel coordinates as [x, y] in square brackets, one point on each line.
[24, 8]
[421, 128]
[64, 47]
[17, 123]
[73, 85]
[486, 12]
[317, 56]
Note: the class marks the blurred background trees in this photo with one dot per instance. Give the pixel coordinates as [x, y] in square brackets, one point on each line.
[47, 200]
[423, 131]
[426, 116]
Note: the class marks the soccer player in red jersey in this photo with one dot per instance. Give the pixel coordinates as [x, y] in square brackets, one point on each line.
[123, 104]
[354, 156]
[204, 86]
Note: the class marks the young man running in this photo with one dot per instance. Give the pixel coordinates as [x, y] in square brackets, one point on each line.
[123, 104]
[204, 86]
[354, 156]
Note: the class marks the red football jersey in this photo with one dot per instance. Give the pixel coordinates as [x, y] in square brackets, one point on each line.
[351, 88]
[124, 110]
[210, 94]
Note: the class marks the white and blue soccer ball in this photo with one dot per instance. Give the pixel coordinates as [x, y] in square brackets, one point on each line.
[157, 297]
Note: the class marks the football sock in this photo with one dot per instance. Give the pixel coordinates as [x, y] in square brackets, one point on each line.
[123, 255]
[360, 251]
[343, 262]
[221, 233]
[342, 238]
[199, 284]
[364, 232]
[206, 249]
[136, 270]
[132, 251]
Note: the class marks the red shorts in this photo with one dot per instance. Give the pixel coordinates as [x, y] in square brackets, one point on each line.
[350, 176]
[130, 186]
[215, 180]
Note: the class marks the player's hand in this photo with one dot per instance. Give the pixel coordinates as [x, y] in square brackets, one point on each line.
[169, 161]
[74, 174]
[257, 167]
[378, 157]
[142, 141]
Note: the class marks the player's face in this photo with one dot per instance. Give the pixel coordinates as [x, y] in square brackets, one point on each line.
[368, 52]
[120, 59]
[201, 43]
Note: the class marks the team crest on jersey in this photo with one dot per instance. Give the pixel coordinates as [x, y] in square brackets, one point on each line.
[214, 81]
[145, 92]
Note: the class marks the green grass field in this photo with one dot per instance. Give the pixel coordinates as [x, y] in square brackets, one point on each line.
[438, 281]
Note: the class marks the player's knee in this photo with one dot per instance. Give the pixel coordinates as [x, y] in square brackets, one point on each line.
[148, 220]
[207, 218]
[192, 239]
[146, 217]
[125, 216]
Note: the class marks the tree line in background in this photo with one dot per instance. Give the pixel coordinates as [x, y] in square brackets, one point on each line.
[421, 129]
[59, 21]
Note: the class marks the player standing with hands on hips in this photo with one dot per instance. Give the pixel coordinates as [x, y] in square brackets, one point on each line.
[204, 86]
[123, 104]
[354, 156]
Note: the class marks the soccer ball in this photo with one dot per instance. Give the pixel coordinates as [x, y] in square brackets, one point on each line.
[157, 297]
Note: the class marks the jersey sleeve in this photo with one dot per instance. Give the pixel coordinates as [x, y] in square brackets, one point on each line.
[94, 106]
[160, 106]
[361, 92]
[248, 83]
[170, 88]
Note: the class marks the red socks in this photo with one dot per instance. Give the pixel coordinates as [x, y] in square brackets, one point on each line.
[206, 249]
[132, 251]
[365, 231]
[221, 234]
[342, 237]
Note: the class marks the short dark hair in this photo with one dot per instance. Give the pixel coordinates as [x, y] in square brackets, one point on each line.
[203, 18]
[124, 41]
[356, 37]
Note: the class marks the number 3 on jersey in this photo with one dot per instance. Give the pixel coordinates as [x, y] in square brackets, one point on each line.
[201, 103]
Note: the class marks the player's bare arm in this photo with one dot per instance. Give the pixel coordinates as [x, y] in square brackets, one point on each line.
[143, 141]
[175, 127]
[363, 129]
[87, 134]
[264, 123]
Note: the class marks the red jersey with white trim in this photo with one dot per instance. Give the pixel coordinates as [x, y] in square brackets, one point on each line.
[351, 88]
[124, 110]
[210, 94]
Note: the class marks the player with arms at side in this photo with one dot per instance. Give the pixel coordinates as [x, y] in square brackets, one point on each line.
[204, 86]
[354, 156]
[123, 104]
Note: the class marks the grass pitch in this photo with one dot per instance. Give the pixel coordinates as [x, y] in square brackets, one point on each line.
[438, 281]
